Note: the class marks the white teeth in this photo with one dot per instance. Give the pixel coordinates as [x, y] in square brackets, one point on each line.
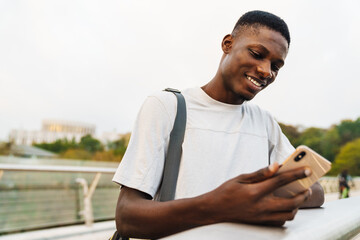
[254, 81]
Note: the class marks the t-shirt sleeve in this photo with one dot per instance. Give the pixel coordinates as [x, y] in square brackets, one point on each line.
[279, 145]
[142, 165]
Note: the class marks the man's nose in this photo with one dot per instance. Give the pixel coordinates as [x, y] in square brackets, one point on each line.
[264, 70]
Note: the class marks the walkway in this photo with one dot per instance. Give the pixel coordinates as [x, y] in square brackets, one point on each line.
[335, 196]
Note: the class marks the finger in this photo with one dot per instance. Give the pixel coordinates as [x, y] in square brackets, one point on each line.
[279, 204]
[276, 219]
[259, 175]
[271, 184]
[282, 216]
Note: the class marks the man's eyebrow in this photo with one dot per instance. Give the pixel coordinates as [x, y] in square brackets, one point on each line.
[266, 51]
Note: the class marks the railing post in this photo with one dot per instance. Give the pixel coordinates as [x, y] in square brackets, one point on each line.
[88, 192]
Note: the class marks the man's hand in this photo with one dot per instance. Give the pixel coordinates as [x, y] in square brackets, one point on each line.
[317, 197]
[247, 198]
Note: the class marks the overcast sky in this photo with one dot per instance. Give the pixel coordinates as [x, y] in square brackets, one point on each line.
[95, 61]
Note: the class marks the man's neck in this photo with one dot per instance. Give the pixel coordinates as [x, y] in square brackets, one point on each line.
[216, 90]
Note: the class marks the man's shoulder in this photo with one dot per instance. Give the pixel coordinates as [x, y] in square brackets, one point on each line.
[161, 95]
[256, 109]
[164, 100]
[168, 98]
[164, 97]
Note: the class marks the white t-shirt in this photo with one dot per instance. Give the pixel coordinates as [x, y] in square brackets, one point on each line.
[221, 141]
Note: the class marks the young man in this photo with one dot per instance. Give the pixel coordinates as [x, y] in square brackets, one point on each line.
[226, 139]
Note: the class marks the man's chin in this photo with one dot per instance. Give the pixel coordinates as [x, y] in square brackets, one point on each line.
[246, 94]
[243, 98]
[249, 97]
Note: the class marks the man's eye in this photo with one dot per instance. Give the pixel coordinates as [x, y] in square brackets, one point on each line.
[255, 54]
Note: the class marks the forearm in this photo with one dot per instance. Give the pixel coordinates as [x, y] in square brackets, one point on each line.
[143, 218]
[317, 197]
[246, 198]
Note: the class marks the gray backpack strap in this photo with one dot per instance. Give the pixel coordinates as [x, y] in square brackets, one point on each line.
[173, 156]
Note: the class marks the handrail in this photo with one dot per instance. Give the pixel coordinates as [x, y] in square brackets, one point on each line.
[50, 168]
[88, 191]
[335, 220]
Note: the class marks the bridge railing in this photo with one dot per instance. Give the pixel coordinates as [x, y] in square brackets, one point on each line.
[336, 220]
[59, 194]
[333, 221]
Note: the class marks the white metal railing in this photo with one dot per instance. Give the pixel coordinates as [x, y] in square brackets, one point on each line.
[88, 191]
[334, 220]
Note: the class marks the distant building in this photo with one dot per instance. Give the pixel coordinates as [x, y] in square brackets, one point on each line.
[51, 131]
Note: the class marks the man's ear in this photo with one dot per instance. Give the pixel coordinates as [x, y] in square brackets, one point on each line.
[226, 43]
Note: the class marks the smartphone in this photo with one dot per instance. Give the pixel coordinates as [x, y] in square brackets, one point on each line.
[303, 156]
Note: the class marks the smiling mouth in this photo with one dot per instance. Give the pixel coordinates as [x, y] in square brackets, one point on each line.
[255, 81]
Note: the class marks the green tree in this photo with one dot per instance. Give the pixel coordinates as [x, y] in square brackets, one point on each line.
[118, 146]
[348, 158]
[313, 138]
[108, 156]
[5, 148]
[291, 132]
[59, 146]
[90, 144]
[331, 144]
[349, 130]
[77, 154]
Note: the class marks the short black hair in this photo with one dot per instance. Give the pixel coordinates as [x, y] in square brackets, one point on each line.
[265, 19]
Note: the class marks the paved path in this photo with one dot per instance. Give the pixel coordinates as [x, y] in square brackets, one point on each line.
[335, 196]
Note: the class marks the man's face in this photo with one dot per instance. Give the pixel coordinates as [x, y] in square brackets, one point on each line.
[251, 62]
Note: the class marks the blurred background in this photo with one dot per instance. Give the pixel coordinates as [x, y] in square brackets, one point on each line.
[73, 75]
